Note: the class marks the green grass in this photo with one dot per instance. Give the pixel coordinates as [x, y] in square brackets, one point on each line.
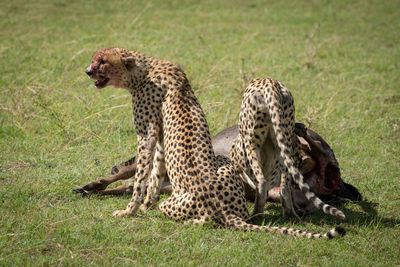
[340, 59]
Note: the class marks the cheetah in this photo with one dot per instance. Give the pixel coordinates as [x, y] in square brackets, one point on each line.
[173, 138]
[266, 123]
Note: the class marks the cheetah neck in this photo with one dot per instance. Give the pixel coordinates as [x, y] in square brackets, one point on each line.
[141, 74]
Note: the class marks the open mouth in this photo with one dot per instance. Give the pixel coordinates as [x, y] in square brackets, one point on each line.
[101, 82]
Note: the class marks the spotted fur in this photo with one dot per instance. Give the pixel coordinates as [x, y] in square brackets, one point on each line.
[267, 120]
[173, 137]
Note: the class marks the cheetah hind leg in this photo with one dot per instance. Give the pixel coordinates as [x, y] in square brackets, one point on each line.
[286, 197]
[257, 215]
[178, 207]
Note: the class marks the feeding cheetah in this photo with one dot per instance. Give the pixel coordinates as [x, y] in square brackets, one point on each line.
[266, 123]
[173, 137]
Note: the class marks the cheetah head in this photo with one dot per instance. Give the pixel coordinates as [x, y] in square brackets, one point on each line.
[110, 66]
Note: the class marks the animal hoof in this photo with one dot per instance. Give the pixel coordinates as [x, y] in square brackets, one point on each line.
[94, 186]
[80, 191]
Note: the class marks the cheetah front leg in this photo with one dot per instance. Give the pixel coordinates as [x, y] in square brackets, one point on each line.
[146, 150]
[157, 177]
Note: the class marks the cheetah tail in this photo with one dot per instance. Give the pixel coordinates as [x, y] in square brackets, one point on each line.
[287, 156]
[237, 223]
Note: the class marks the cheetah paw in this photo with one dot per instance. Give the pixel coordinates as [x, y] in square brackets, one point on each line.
[120, 213]
[148, 205]
[200, 221]
[144, 207]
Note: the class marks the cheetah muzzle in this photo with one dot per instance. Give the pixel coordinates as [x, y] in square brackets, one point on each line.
[101, 80]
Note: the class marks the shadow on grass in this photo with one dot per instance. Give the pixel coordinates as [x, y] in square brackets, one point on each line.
[369, 217]
[274, 216]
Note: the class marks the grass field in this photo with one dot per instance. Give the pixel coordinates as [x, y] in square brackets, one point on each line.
[340, 59]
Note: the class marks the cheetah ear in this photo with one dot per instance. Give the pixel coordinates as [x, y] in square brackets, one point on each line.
[129, 62]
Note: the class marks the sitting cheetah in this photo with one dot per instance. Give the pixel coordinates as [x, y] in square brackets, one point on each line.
[266, 123]
[173, 137]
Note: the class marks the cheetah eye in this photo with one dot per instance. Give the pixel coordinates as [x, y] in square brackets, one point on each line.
[101, 62]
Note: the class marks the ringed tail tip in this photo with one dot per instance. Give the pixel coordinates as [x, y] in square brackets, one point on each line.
[337, 231]
[341, 215]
